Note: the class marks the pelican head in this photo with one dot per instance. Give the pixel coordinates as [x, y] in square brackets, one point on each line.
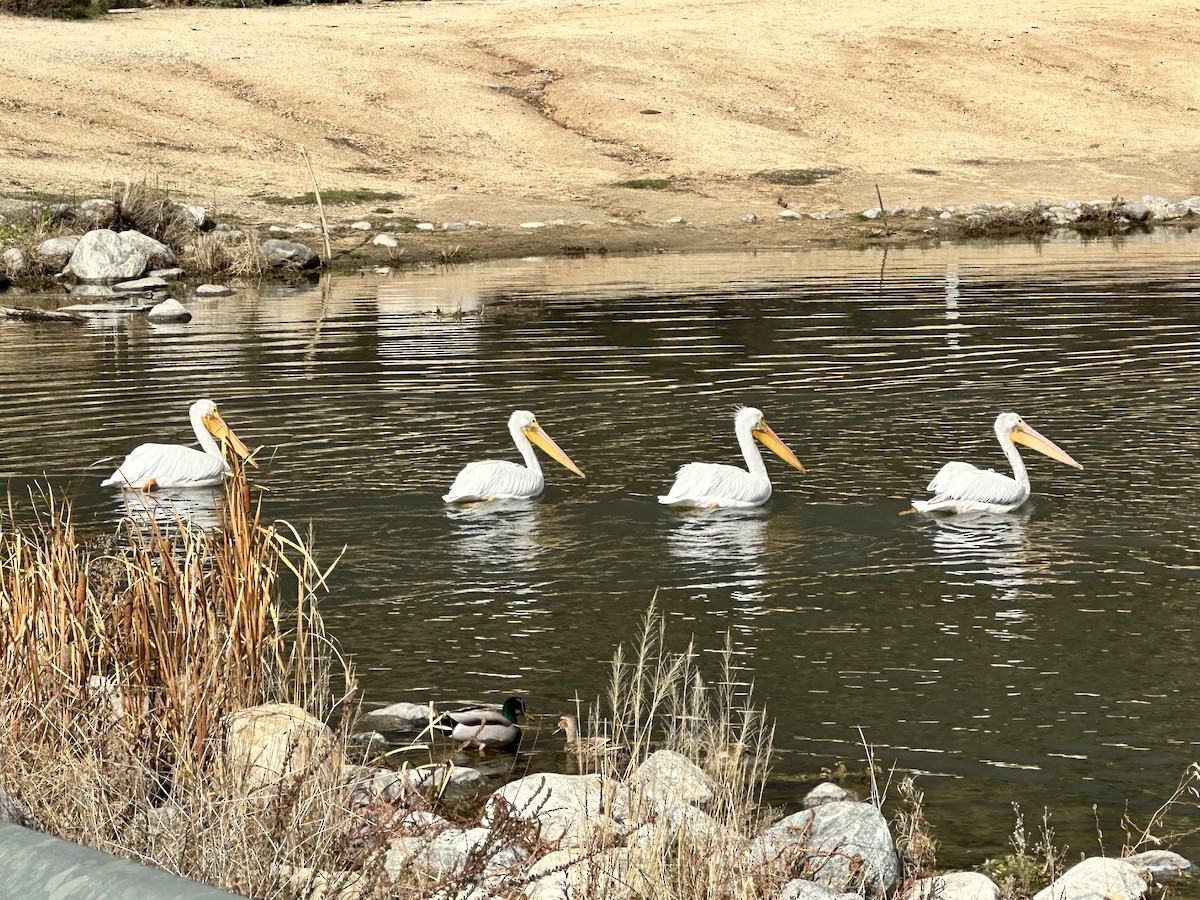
[205, 412]
[751, 419]
[1014, 428]
[522, 421]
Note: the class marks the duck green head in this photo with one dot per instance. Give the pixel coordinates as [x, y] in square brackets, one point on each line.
[513, 707]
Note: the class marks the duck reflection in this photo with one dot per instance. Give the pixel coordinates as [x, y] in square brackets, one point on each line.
[991, 549]
[501, 533]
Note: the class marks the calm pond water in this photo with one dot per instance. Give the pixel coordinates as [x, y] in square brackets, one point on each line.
[1046, 657]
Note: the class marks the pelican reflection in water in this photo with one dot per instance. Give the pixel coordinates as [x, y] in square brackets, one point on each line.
[961, 487]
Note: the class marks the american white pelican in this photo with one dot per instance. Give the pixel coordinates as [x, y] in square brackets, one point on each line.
[961, 487]
[494, 479]
[713, 484]
[484, 726]
[171, 465]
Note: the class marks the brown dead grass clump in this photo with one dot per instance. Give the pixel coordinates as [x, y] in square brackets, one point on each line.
[1008, 221]
[118, 671]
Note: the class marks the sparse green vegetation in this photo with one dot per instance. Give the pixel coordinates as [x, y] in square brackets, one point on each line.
[332, 197]
[1009, 220]
[795, 177]
[646, 184]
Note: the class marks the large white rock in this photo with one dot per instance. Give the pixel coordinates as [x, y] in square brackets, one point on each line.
[398, 717]
[667, 774]
[13, 261]
[273, 744]
[104, 255]
[845, 844]
[1097, 878]
[566, 807]
[447, 853]
[954, 886]
[803, 889]
[1160, 866]
[279, 254]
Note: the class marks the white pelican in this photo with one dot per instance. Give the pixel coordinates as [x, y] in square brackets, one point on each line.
[484, 726]
[711, 484]
[495, 479]
[961, 487]
[151, 466]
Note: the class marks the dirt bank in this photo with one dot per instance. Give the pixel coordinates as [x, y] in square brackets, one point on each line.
[510, 111]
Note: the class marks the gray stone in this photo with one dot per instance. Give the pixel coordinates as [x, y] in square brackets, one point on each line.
[228, 235]
[533, 224]
[1155, 200]
[158, 255]
[55, 252]
[213, 290]
[803, 889]
[1160, 866]
[827, 792]
[424, 226]
[172, 274]
[1135, 212]
[195, 215]
[271, 229]
[836, 214]
[149, 283]
[170, 310]
[1071, 204]
[385, 240]
[104, 255]
[789, 214]
[1172, 211]
[954, 886]
[454, 226]
[305, 226]
[361, 225]
[57, 212]
[677, 220]
[565, 807]
[873, 213]
[281, 254]
[97, 209]
[1097, 878]
[846, 845]
[981, 208]
[366, 743]
[749, 217]
[398, 717]
[1192, 202]
[669, 775]
[447, 853]
[13, 261]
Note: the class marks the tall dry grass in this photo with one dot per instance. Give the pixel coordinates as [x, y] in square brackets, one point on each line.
[659, 699]
[118, 668]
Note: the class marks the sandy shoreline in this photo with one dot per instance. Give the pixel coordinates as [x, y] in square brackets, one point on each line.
[509, 112]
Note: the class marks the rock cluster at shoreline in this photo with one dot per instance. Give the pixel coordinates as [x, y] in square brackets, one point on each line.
[593, 830]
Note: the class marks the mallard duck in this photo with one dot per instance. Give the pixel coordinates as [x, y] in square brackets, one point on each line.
[484, 726]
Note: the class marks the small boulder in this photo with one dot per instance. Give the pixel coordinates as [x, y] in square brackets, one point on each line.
[790, 214]
[197, 216]
[213, 290]
[13, 261]
[104, 255]
[454, 226]
[170, 310]
[1134, 212]
[398, 717]
[827, 792]
[54, 253]
[361, 225]
[285, 254]
[448, 852]
[137, 285]
[1097, 878]
[385, 240]
[954, 886]
[1160, 866]
[669, 775]
[846, 845]
[158, 255]
[803, 889]
[270, 745]
[172, 274]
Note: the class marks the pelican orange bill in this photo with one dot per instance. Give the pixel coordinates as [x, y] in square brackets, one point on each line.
[771, 441]
[1029, 437]
[535, 433]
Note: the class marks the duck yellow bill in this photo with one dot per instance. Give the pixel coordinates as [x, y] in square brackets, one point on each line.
[535, 433]
[1023, 434]
[218, 429]
[771, 441]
